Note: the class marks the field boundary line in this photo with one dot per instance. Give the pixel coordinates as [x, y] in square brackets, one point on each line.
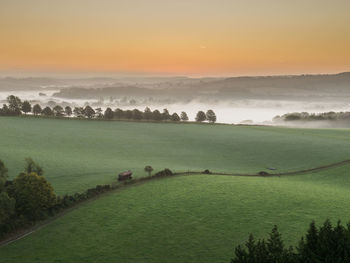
[299, 172]
[21, 233]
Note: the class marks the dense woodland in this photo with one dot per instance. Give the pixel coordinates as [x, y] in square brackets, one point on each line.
[15, 107]
[324, 244]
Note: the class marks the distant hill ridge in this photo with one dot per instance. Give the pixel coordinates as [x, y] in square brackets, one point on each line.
[318, 87]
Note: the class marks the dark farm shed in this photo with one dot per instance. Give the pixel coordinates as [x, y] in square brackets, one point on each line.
[126, 175]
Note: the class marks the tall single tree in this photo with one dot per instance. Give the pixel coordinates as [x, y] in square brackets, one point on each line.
[211, 117]
[26, 107]
[58, 111]
[47, 111]
[148, 169]
[200, 116]
[37, 109]
[184, 116]
[68, 111]
[78, 112]
[175, 117]
[14, 105]
[89, 112]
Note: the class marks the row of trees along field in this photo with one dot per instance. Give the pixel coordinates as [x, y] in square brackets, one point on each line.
[30, 197]
[16, 107]
[305, 116]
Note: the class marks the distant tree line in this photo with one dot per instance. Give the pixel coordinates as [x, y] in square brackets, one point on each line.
[327, 243]
[16, 107]
[305, 116]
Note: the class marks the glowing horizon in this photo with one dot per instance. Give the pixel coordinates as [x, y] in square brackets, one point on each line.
[185, 37]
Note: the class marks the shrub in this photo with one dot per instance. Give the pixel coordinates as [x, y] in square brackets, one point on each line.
[163, 173]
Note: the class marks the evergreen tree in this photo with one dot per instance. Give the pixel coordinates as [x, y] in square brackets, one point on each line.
[326, 244]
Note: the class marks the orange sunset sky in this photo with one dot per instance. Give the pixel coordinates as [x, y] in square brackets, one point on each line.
[188, 37]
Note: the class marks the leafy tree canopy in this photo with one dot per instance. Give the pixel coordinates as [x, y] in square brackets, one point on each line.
[184, 116]
[201, 116]
[37, 109]
[26, 107]
[33, 195]
[210, 116]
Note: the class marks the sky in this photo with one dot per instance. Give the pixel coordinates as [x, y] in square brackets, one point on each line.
[176, 37]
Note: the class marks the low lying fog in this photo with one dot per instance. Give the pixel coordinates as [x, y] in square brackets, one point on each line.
[238, 111]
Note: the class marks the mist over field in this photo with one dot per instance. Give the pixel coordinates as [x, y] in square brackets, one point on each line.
[247, 100]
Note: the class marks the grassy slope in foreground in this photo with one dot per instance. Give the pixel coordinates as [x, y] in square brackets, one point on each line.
[197, 218]
[80, 154]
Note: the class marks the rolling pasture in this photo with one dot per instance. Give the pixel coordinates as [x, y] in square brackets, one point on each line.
[77, 154]
[194, 218]
[197, 218]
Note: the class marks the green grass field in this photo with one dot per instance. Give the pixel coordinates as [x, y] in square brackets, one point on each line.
[197, 218]
[79, 154]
